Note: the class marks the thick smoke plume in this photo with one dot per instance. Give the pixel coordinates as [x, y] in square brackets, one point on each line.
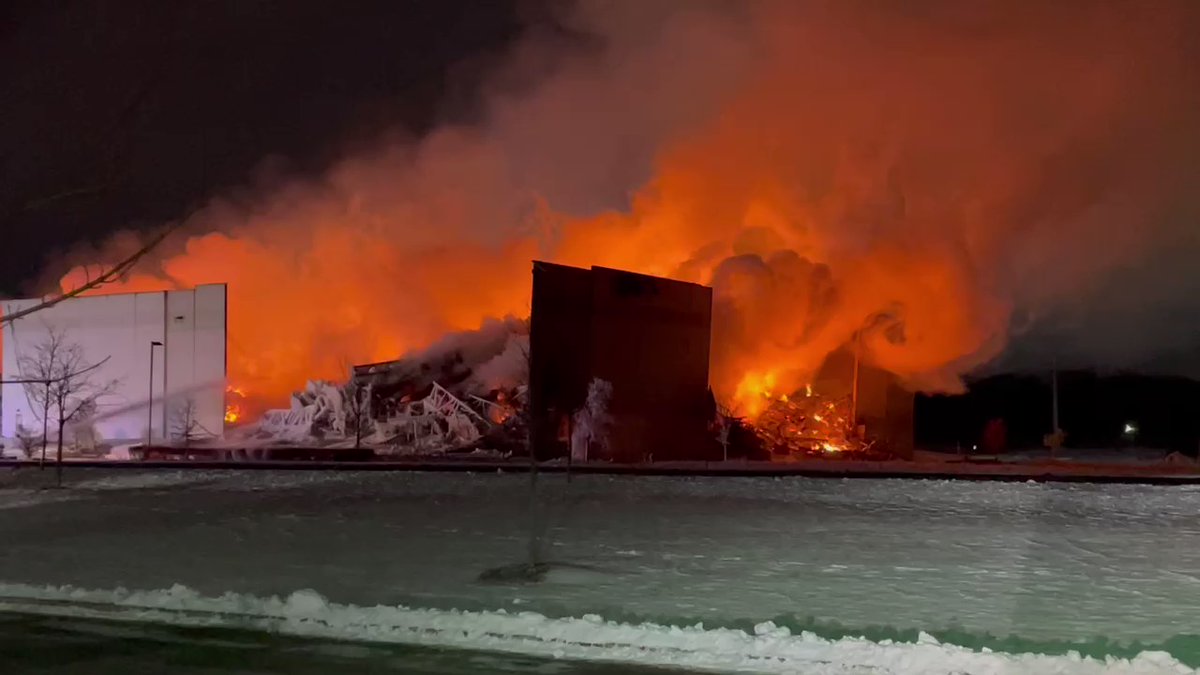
[932, 176]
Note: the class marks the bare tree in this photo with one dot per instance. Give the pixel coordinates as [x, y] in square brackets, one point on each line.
[356, 404]
[38, 371]
[29, 441]
[357, 397]
[185, 425]
[72, 389]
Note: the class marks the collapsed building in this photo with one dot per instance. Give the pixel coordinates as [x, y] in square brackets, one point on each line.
[612, 366]
[461, 392]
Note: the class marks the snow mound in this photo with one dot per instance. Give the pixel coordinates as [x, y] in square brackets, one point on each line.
[768, 649]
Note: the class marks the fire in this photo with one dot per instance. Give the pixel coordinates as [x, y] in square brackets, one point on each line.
[808, 424]
[233, 409]
[753, 393]
[916, 208]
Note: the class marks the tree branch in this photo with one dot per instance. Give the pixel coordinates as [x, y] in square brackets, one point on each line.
[111, 274]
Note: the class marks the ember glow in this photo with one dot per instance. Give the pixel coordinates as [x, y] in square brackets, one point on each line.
[806, 424]
[832, 169]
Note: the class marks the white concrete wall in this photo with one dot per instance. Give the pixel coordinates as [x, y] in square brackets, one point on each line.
[190, 364]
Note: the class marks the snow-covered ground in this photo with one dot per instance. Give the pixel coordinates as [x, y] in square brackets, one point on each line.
[766, 575]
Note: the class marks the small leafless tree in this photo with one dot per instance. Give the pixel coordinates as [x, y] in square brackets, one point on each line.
[29, 441]
[357, 397]
[39, 370]
[68, 388]
[185, 426]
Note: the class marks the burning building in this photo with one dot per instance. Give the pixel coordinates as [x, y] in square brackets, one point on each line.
[644, 340]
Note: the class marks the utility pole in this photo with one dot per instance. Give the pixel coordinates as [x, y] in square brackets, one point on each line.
[1054, 397]
[1056, 436]
[854, 383]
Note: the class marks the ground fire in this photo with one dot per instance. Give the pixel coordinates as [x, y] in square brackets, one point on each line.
[807, 423]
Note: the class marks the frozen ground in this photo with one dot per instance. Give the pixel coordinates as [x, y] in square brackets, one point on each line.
[779, 575]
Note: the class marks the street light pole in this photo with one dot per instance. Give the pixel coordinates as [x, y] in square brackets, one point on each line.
[854, 383]
[1054, 398]
[150, 400]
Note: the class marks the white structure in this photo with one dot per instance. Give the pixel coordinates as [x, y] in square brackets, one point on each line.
[185, 368]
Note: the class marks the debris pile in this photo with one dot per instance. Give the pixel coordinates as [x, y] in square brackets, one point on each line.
[466, 391]
[808, 424]
[435, 423]
[317, 411]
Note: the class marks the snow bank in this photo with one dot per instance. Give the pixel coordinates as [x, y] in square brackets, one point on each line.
[769, 649]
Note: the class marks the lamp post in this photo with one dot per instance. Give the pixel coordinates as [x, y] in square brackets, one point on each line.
[150, 400]
[854, 382]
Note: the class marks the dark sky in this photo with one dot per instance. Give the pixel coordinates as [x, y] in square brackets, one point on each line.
[128, 113]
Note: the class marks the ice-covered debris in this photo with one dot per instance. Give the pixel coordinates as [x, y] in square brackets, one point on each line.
[321, 410]
[593, 422]
[437, 422]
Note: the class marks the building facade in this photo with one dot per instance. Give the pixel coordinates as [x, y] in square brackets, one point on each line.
[163, 355]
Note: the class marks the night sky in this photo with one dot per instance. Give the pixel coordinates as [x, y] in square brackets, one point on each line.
[127, 114]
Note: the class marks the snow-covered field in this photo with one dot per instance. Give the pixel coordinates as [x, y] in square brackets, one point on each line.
[763, 575]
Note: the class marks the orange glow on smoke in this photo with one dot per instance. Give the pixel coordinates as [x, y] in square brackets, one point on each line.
[861, 174]
[753, 393]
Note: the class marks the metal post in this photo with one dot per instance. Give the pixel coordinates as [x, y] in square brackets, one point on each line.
[1054, 431]
[150, 400]
[1054, 397]
[854, 383]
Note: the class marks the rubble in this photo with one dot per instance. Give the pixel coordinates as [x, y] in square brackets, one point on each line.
[437, 422]
[467, 387]
[809, 423]
[468, 392]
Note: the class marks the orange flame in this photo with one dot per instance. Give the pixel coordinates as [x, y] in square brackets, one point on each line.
[233, 410]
